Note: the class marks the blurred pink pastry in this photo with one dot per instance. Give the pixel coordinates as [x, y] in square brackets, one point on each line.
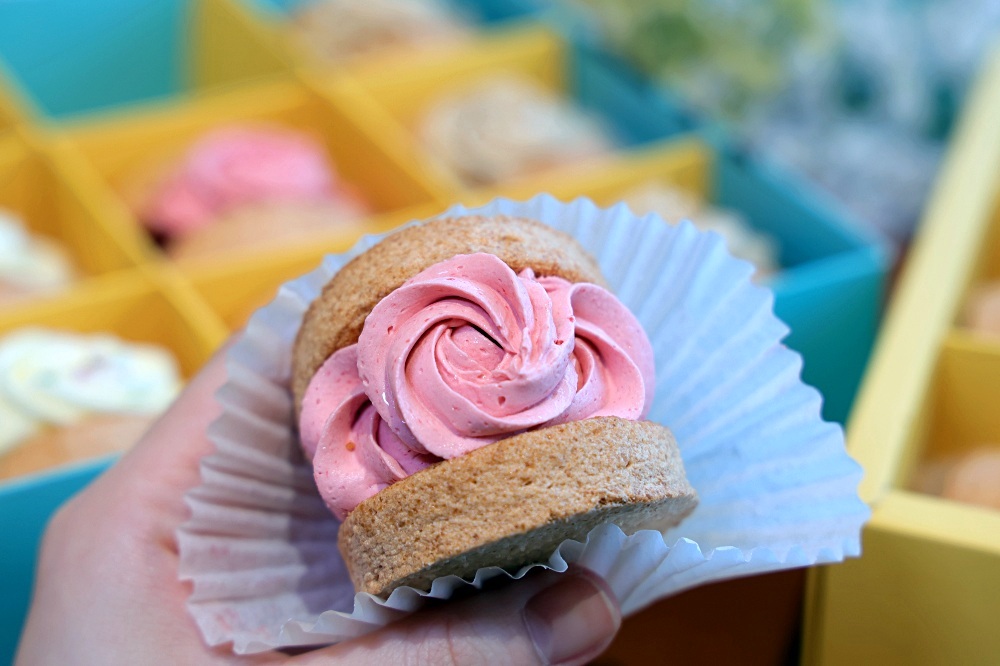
[982, 311]
[341, 30]
[975, 478]
[229, 173]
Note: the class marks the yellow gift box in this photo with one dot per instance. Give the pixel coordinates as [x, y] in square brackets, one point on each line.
[927, 587]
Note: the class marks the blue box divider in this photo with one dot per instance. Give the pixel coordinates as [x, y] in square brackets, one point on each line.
[636, 111]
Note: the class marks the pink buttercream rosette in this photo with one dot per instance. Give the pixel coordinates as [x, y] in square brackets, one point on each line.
[777, 489]
[464, 354]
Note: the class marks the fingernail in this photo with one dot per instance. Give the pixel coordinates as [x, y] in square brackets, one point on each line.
[571, 619]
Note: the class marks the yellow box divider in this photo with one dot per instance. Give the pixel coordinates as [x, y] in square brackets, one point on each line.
[229, 44]
[15, 107]
[236, 287]
[968, 395]
[406, 89]
[123, 148]
[919, 592]
[7, 115]
[685, 163]
[373, 64]
[35, 185]
[128, 304]
[925, 589]
[384, 131]
[952, 417]
[110, 212]
[204, 322]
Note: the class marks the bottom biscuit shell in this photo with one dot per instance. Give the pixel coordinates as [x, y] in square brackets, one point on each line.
[513, 502]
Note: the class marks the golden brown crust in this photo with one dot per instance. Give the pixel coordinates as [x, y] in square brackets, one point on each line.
[336, 317]
[269, 225]
[513, 502]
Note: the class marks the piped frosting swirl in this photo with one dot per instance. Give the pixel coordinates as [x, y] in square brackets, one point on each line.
[463, 354]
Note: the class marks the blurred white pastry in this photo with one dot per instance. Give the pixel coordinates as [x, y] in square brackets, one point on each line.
[340, 30]
[53, 380]
[508, 126]
[674, 205]
[29, 265]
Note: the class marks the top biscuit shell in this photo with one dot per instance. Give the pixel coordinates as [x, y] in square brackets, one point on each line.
[336, 317]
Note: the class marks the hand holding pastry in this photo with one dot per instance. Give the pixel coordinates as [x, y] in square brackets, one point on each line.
[124, 554]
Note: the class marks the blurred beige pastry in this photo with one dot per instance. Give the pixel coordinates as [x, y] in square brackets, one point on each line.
[508, 126]
[975, 478]
[674, 204]
[66, 397]
[341, 30]
[94, 436]
[280, 222]
[982, 310]
[221, 191]
[30, 265]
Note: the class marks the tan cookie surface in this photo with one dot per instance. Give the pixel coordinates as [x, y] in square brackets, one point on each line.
[513, 502]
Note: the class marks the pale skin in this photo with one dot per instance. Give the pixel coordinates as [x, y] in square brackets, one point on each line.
[107, 590]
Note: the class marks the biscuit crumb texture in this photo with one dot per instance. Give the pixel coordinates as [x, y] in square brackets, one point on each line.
[336, 317]
[513, 502]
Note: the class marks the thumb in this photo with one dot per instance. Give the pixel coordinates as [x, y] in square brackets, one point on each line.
[552, 618]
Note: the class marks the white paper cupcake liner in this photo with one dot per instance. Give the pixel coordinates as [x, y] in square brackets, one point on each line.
[777, 489]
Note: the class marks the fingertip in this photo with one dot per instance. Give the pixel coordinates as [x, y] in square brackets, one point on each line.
[574, 620]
